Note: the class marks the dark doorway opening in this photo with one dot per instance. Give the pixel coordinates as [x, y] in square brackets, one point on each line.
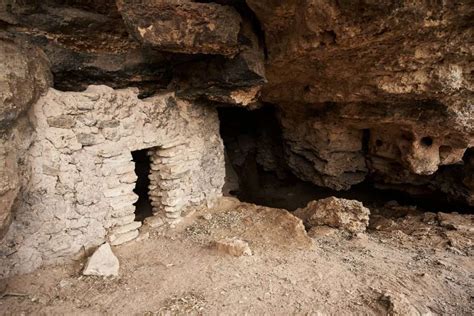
[143, 207]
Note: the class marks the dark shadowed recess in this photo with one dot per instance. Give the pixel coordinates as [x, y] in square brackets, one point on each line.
[142, 169]
[257, 172]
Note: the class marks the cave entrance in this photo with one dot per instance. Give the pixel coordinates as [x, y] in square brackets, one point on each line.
[257, 172]
[143, 207]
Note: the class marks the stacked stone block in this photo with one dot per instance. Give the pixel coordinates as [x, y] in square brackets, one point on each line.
[171, 164]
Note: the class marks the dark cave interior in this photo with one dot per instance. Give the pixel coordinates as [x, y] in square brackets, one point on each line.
[274, 185]
[143, 207]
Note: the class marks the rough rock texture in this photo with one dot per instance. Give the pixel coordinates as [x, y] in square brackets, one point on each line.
[349, 215]
[338, 145]
[24, 75]
[183, 26]
[103, 262]
[456, 221]
[236, 80]
[13, 148]
[366, 51]
[86, 43]
[82, 173]
[376, 87]
[233, 246]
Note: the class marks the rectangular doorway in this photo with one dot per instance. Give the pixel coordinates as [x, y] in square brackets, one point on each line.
[143, 207]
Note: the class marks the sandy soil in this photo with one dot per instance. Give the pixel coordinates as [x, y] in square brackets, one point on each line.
[407, 263]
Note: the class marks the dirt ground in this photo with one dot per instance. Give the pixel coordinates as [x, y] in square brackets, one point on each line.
[408, 263]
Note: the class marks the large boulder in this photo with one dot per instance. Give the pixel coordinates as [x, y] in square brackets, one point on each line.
[349, 215]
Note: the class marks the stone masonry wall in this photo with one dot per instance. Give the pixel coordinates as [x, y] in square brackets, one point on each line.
[82, 173]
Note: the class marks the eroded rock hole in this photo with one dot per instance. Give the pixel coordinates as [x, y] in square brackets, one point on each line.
[143, 207]
[426, 141]
[257, 171]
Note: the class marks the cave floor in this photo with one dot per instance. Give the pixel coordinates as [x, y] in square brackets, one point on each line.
[405, 264]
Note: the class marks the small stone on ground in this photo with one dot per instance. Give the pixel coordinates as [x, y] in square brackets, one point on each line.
[154, 221]
[102, 263]
[233, 246]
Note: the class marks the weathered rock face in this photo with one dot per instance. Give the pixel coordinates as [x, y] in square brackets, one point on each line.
[366, 51]
[24, 75]
[371, 88]
[13, 147]
[237, 80]
[183, 26]
[86, 43]
[338, 145]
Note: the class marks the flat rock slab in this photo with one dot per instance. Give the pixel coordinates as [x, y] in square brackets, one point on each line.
[102, 263]
[266, 229]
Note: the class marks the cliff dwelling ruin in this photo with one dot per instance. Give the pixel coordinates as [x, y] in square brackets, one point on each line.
[244, 127]
[84, 176]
